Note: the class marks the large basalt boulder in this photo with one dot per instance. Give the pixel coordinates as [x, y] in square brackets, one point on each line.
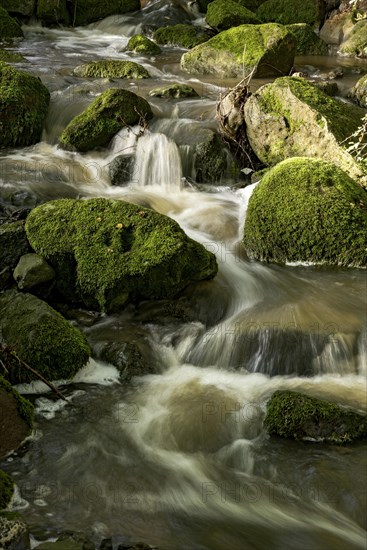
[141, 44]
[24, 104]
[106, 252]
[291, 117]
[185, 36]
[16, 413]
[9, 28]
[294, 415]
[41, 337]
[111, 68]
[359, 92]
[53, 12]
[19, 7]
[87, 11]
[308, 42]
[267, 50]
[287, 12]
[307, 210]
[355, 42]
[104, 117]
[224, 14]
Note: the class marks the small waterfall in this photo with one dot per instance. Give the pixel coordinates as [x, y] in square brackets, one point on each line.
[158, 162]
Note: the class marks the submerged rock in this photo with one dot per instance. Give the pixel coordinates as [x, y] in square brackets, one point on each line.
[359, 92]
[174, 91]
[355, 42]
[307, 210]
[267, 49]
[16, 413]
[308, 42]
[24, 104]
[9, 28]
[111, 68]
[294, 415]
[224, 14]
[287, 12]
[41, 337]
[106, 252]
[291, 117]
[141, 44]
[103, 118]
[186, 36]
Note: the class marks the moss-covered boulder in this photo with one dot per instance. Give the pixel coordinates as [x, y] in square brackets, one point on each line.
[9, 28]
[308, 42]
[87, 11]
[24, 103]
[6, 489]
[307, 210]
[251, 5]
[287, 12]
[290, 117]
[174, 91]
[224, 14]
[11, 57]
[294, 415]
[103, 118]
[16, 412]
[185, 36]
[359, 92]
[267, 49]
[106, 252]
[19, 7]
[355, 42]
[13, 243]
[141, 44]
[41, 337]
[111, 68]
[53, 12]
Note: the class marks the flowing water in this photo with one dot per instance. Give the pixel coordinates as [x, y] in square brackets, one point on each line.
[179, 458]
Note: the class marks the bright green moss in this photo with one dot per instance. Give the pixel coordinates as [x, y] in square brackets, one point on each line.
[53, 12]
[87, 11]
[296, 416]
[6, 489]
[111, 68]
[11, 57]
[41, 337]
[251, 5]
[287, 12]
[119, 251]
[270, 48]
[24, 407]
[308, 43]
[356, 41]
[185, 36]
[24, 104]
[141, 44]
[307, 210]
[174, 91]
[9, 28]
[224, 14]
[103, 118]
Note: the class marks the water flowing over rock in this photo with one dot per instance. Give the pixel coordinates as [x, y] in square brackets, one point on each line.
[24, 103]
[107, 252]
[291, 117]
[267, 50]
[307, 210]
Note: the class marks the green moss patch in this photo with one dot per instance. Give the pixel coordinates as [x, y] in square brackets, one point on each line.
[185, 36]
[112, 251]
[174, 91]
[111, 68]
[308, 43]
[41, 337]
[24, 104]
[294, 415]
[103, 118]
[355, 43]
[359, 92]
[141, 44]
[307, 210]
[9, 28]
[11, 57]
[288, 12]
[6, 489]
[224, 14]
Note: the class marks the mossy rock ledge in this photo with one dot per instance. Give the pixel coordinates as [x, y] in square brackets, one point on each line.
[41, 337]
[307, 210]
[308, 42]
[225, 14]
[293, 415]
[267, 49]
[106, 252]
[288, 12]
[9, 28]
[291, 117]
[103, 118]
[111, 68]
[24, 104]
